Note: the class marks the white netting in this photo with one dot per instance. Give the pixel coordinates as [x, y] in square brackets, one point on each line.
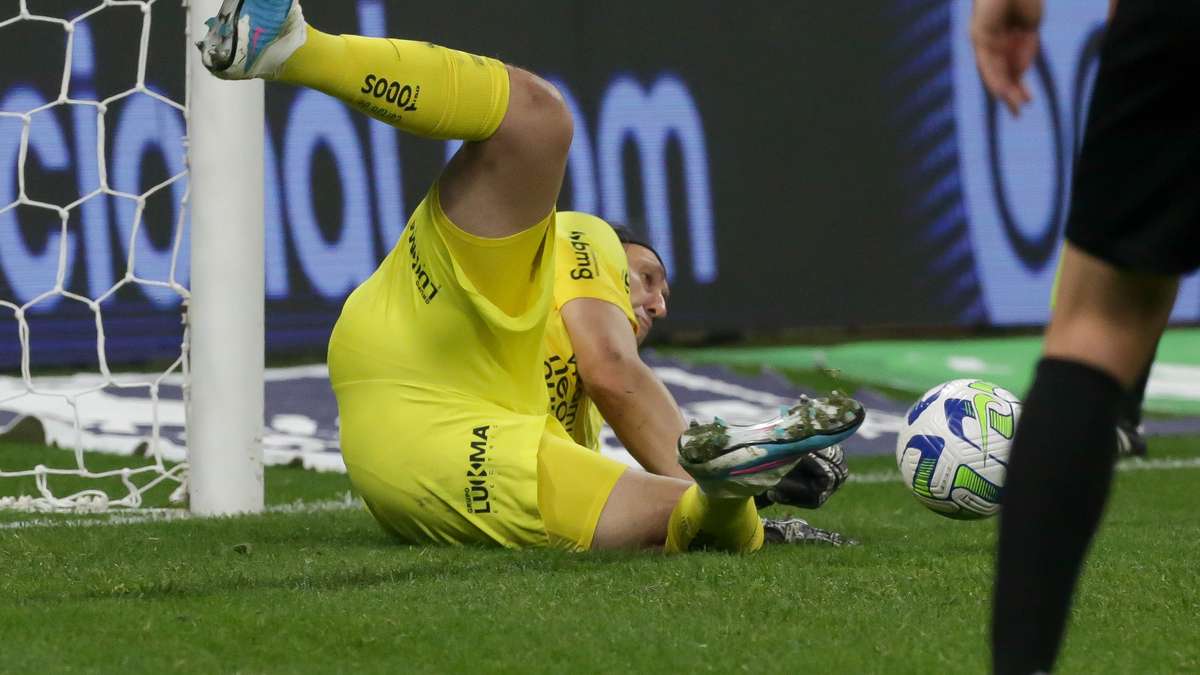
[69, 397]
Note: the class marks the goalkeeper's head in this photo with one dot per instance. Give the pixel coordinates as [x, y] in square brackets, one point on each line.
[648, 288]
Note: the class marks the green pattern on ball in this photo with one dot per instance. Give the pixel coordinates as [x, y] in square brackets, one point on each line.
[967, 479]
[1000, 423]
[923, 476]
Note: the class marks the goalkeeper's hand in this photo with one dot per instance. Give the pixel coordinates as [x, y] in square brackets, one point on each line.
[811, 483]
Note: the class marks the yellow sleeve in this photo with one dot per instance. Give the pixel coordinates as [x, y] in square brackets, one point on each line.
[591, 263]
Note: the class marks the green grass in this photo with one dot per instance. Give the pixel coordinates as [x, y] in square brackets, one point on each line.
[820, 381]
[328, 592]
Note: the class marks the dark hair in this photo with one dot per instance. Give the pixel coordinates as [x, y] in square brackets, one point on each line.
[628, 236]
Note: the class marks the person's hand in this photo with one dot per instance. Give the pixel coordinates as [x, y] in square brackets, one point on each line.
[811, 482]
[1005, 35]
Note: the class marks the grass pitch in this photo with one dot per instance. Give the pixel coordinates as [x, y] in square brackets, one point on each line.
[326, 591]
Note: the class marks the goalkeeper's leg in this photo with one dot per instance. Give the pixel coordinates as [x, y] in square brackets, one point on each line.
[648, 511]
[507, 177]
[731, 465]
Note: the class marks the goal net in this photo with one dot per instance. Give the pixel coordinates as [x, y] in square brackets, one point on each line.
[106, 259]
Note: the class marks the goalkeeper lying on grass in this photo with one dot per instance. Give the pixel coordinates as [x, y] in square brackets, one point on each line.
[441, 360]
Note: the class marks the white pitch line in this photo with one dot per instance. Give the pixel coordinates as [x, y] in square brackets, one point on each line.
[165, 515]
[1133, 464]
[348, 503]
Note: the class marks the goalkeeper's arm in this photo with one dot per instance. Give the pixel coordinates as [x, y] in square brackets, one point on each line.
[629, 395]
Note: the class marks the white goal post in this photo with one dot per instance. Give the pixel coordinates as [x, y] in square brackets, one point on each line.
[226, 322]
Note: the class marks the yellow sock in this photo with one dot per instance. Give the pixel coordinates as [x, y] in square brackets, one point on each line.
[726, 524]
[422, 88]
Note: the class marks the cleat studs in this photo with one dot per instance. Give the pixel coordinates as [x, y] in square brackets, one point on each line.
[702, 443]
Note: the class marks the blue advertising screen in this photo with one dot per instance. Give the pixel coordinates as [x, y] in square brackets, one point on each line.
[797, 165]
[990, 192]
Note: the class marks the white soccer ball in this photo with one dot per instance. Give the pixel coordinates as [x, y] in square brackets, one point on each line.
[953, 452]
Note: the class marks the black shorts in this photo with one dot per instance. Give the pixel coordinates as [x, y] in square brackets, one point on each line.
[1136, 196]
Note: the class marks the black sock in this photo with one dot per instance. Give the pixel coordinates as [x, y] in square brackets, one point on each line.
[1058, 480]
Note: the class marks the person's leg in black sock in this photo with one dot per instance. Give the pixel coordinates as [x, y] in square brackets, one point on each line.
[1105, 326]
[1058, 481]
[1131, 233]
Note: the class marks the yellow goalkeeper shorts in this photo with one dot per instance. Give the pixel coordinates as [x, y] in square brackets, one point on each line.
[479, 480]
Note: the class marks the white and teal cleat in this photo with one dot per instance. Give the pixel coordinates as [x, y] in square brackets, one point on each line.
[252, 38]
[744, 461]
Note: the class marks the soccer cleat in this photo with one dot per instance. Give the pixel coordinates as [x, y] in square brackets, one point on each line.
[811, 482]
[252, 38]
[742, 461]
[797, 531]
[1131, 441]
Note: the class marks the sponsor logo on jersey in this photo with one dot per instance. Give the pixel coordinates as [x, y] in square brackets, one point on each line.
[585, 257]
[425, 283]
[562, 384]
[478, 492]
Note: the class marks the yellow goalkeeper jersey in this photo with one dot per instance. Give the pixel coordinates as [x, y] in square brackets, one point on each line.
[590, 263]
[422, 322]
[435, 362]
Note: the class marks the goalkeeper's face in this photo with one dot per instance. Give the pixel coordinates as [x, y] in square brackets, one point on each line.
[648, 289]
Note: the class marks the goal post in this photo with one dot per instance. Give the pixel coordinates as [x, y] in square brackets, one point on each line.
[226, 312]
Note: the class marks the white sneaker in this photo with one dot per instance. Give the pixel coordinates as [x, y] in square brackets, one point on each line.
[252, 38]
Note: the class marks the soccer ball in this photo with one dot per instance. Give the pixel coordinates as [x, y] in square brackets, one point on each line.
[953, 451]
